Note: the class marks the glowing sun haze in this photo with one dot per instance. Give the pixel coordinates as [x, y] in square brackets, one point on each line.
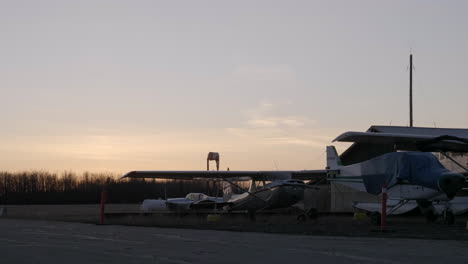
[124, 85]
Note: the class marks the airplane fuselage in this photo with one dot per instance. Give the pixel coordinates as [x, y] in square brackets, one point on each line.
[408, 175]
[278, 194]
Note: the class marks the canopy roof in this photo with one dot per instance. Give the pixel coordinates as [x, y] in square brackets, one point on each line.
[365, 150]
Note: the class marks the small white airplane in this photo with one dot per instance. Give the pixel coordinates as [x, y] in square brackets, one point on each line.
[192, 201]
[411, 178]
[285, 189]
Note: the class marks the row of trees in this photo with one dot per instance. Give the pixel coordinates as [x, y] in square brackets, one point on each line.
[40, 187]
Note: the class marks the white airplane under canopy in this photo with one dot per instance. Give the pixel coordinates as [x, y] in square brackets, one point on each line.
[408, 170]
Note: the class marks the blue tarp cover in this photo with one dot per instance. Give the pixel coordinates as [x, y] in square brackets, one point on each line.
[419, 168]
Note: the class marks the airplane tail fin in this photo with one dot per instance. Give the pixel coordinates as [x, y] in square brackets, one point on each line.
[227, 191]
[333, 160]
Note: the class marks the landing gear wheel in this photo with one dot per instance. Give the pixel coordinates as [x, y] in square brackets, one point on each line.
[312, 213]
[301, 218]
[252, 216]
[431, 217]
[449, 218]
[375, 218]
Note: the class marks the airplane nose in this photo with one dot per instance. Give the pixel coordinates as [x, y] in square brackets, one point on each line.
[451, 183]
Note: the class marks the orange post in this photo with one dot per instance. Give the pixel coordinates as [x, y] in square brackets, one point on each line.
[103, 204]
[384, 207]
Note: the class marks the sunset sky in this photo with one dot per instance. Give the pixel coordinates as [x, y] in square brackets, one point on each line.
[125, 85]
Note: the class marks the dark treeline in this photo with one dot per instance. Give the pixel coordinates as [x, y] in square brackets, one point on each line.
[70, 188]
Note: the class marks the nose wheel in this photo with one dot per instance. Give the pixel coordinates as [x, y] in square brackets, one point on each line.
[430, 216]
[449, 217]
[252, 215]
[301, 218]
[312, 214]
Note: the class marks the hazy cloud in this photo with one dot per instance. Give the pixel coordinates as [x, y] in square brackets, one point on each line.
[265, 115]
[265, 72]
[265, 125]
[316, 142]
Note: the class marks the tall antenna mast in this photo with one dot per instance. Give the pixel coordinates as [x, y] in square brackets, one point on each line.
[411, 91]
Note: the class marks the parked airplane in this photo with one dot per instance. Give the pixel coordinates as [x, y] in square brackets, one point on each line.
[192, 201]
[408, 176]
[283, 191]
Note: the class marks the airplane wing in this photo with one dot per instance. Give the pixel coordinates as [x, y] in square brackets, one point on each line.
[408, 141]
[238, 175]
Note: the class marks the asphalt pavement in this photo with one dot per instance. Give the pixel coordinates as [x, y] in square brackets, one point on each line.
[33, 241]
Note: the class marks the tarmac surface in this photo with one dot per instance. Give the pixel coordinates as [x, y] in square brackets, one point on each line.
[35, 241]
[409, 226]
